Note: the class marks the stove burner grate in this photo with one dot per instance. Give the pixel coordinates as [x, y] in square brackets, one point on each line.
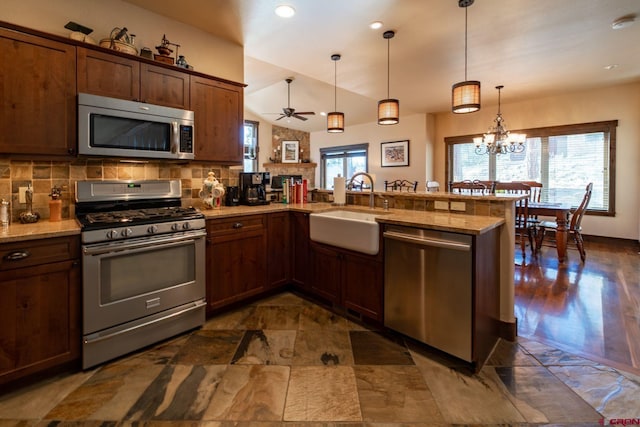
[140, 215]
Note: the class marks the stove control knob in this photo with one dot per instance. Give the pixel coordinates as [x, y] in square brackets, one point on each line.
[112, 234]
[152, 229]
[186, 226]
[126, 232]
[175, 227]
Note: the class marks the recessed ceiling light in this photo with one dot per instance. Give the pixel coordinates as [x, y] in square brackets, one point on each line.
[323, 113]
[375, 25]
[285, 11]
[610, 66]
[623, 22]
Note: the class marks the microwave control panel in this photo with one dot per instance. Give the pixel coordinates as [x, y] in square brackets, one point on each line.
[186, 139]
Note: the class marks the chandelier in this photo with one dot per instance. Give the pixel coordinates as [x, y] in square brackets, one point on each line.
[498, 140]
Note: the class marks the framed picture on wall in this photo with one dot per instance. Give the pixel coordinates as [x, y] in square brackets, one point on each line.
[290, 151]
[394, 153]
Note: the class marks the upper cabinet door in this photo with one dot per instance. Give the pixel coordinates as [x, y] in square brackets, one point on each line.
[218, 119]
[37, 95]
[104, 74]
[162, 86]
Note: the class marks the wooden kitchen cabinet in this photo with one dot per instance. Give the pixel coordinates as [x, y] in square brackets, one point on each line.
[326, 272]
[107, 74]
[39, 305]
[299, 222]
[236, 259]
[363, 285]
[349, 279]
[218, 109]
[38, 81]
[278, 249]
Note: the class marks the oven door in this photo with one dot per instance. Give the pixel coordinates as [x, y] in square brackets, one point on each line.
[132, 279]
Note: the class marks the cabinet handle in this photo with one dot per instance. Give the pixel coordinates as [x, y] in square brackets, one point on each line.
[17, 256]
[238, 225]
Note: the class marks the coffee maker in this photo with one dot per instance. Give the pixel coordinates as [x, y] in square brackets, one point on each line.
[252, 188]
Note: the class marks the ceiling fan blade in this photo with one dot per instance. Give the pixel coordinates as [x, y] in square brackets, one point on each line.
[299, 117]
[282, 116]
[307, 112]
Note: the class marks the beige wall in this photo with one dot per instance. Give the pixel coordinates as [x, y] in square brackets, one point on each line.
[207, 54]
[620, 103]
[416, 128]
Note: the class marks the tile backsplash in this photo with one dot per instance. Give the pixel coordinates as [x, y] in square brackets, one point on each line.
[44, 175]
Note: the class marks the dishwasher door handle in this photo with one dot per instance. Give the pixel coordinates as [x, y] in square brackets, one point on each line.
[427, 241]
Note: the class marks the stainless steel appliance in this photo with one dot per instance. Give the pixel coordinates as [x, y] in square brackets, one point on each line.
[119, 128]
[143, 259]
[253, 188]
[428, 287]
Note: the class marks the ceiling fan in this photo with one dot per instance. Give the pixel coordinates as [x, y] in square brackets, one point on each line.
[291, 112]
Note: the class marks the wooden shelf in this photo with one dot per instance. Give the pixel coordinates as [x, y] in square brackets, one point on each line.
[290, 165]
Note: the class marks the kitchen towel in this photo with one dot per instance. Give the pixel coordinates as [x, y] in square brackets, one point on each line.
[339, 190]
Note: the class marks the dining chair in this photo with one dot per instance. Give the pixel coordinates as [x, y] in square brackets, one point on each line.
[401, 184]
[536, 190]
[468, 187]
[575, 227]
[525, 225]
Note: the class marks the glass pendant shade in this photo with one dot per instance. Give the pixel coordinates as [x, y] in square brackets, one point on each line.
[335, 122]
[388, 112]
[465, 97]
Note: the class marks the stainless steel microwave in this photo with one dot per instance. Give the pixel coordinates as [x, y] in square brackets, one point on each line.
[119, 128]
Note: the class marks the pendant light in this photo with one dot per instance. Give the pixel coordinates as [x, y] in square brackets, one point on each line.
[465, 96]
[388, 109]
[335, 119]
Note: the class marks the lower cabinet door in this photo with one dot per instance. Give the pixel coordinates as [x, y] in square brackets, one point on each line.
[363, 286]
[40, 318]
[235, 267]
[326, 273]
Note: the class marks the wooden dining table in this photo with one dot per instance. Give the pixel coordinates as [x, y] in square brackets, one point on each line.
[561, 212]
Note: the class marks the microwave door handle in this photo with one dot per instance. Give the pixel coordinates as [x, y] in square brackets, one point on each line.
[175, 137]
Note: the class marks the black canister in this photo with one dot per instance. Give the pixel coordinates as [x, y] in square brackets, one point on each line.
[232, 196]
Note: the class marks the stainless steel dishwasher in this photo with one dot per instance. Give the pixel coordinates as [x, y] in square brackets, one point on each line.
[428, 287]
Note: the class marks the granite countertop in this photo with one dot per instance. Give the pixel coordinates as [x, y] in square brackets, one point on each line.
[42, 229]
[445, 221]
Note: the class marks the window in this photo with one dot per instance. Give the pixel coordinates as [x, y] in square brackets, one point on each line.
[344, 161]
[250, 149]
[563, 158]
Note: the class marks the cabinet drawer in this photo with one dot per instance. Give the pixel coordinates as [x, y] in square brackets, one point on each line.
[217, 227]
[42, 251]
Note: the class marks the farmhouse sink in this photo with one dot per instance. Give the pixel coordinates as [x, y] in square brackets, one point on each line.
[354, 230]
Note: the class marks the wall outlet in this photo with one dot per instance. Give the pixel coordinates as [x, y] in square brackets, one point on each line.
[441, 205]
[458, 206]
[22, 194]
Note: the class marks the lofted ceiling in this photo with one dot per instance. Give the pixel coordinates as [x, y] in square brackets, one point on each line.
[532, 47]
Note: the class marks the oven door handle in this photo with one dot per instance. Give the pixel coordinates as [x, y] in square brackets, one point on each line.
[104, 248]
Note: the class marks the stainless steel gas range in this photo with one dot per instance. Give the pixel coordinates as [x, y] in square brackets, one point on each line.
[143, 259]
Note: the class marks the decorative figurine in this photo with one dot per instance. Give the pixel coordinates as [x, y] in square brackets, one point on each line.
[29, 216]
[212, 192]
[164, 51]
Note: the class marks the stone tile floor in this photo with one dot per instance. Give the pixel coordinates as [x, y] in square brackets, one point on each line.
[284, 360]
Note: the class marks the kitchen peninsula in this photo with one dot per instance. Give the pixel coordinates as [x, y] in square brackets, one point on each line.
[277, 235]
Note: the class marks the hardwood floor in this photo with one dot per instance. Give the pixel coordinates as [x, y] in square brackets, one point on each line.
[591, 309]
